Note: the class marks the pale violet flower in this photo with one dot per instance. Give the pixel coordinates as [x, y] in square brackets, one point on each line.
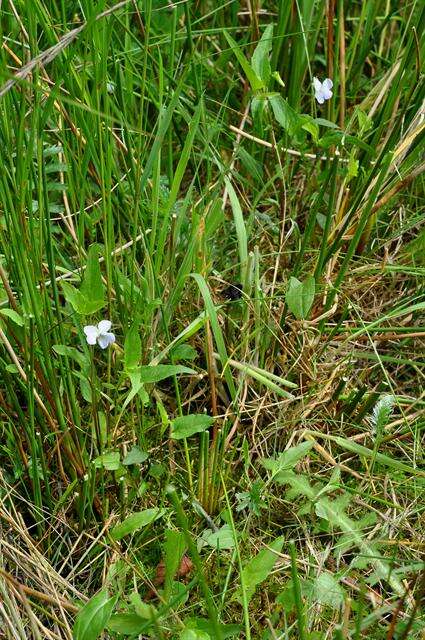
[100, 334]
[322, 90]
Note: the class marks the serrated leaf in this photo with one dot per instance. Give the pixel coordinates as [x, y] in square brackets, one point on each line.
[300, 485]
[136, 521]
[93, 617]
[260, 58]
[186, 426]
[300, 296]
[333, 511]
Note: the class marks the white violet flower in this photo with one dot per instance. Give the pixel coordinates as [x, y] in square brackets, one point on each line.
[322, 90]
[100, 334]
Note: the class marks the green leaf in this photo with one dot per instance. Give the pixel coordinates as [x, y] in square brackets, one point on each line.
[381, 458]
[326, 123]
[258, 569]
[308, 124]
[300, 296]
[94, 616]
[143, 609]
[109, 461]
[333, 512]
[72, 353]
[288, 459]
[258, 104]
[250, 164]
[74, 297]
[365, 123]
[299, 484]
[269, 379]
[132, 347]
[82, 305]
[92, 286]
[255, 82]
[136, 388]
[193, 634]
[160, 372]
[202, 624]
[221, 539]
[284, 113]
[240, 230]
[174, 548]
[327, 590]
[184, 352]
[90, 297]
[135, 456]
[287, 597]
[14, 316]
[128, 624]
[343, 139]
[217, 332]
[260, 58]
[186, 426]
[136, 521]
[352, 168]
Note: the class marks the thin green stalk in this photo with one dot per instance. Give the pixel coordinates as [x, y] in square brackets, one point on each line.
[184, 525]
[238, 555]
[296, 586]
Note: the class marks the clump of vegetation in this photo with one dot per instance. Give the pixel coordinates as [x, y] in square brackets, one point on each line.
[211, 320]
